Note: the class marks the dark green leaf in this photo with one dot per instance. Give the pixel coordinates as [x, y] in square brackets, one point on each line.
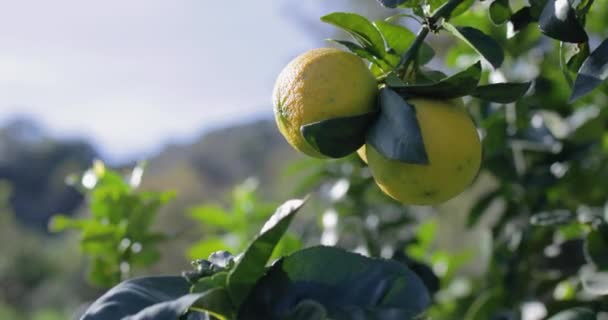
[426, 76]
[399, 40]
[458, 85]
[483, 44]
[480, 207]
[391, 3]
[360, 28]
[521, 19]
[252, 264]
[364, 53]
[501, 92]
[216, 302]
[485, 304]
[161, 294]
[558, 21]
[593, 72]
[308, 310]
[596, 249]
[500, 11]
[396, 133]
[349, 286]
[574, 314]
[338, 137]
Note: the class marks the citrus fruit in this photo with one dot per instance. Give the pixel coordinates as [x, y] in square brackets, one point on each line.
[321, 84]
[453, 148]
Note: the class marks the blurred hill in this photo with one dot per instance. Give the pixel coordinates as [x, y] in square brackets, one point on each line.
[35, 165]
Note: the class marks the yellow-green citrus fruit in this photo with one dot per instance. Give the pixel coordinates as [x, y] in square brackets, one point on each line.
[454, 152]
[318, 85]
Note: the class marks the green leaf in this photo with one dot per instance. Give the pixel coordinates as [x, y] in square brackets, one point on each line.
[500, 11]
[574, 314]
[348, 285]
[483, 44]
[462, 8]
[61, 223]
[360, 28]
[521, 18]
[399, 39]
[593, 72]
[364, 53]
[212, 215]
[501, 92]
[596, 248]
[396, 133]
[485, 305]
[143, 298]
[458, 85]
[338, 137]
[216, 302]
[558, 21]
[252, 264]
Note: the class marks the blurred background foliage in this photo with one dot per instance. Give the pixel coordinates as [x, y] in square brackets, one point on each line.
[527, 240]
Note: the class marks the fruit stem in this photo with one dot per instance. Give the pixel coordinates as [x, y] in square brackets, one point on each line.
[411, 52]
[445, 11]
[430, 25]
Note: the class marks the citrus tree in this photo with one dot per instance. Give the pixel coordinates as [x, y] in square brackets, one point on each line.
[525, 106]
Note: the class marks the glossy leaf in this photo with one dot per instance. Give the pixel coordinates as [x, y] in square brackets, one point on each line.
[338, 137]
[593, 72]
[151, 296]
[521, 18]
[360, 28]
[399, 40]
[501, 92]
[483, 44]
[364, 53]
[500, 11]
[455, 86]
[396, 133]
[216, 302]
[348, 285]
[575, 314]
[558, 21]
[252, 264]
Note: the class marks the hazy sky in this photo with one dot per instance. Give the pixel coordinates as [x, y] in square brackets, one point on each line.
[133, 74]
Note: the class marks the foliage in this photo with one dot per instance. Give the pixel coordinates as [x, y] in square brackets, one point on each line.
[230, 230]
[543, 211]
[227, 287]
[117, 235]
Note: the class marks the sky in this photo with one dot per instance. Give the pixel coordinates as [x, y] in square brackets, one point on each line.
[133, 75]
